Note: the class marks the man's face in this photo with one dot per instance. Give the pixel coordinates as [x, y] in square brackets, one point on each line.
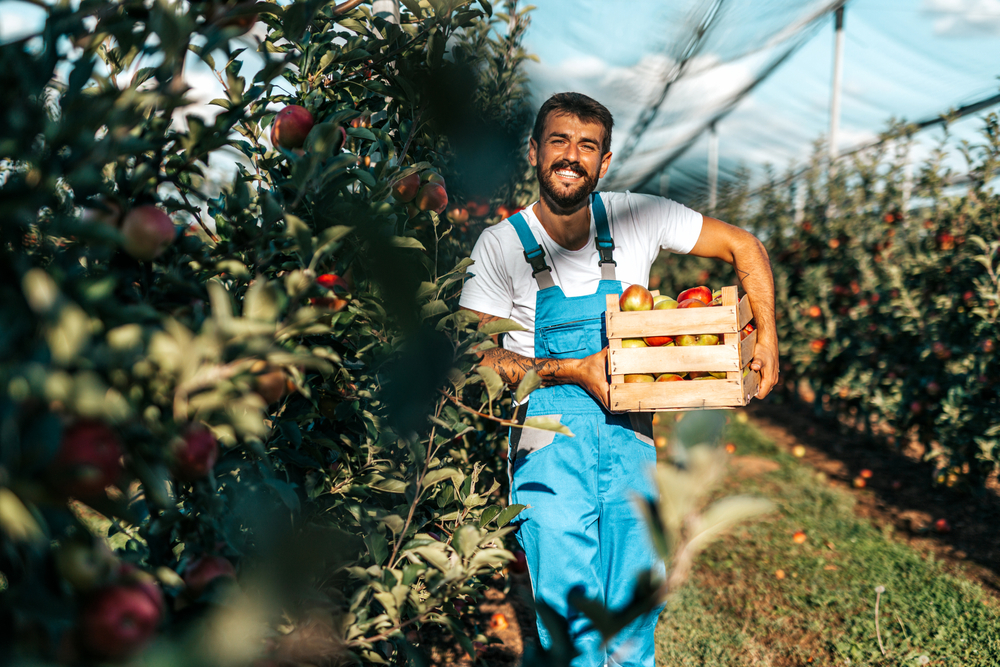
[568, 160]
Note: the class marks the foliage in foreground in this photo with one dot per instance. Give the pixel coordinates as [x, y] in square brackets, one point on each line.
[276, 398]
[888, 295]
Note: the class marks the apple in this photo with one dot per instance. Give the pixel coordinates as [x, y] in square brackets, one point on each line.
[498, 621]
[699, 375]
[118, 621]
[660, 441]
[332, 281]
[633, 342]
[798, 451]
[718, 375]
[328, 302]
[270, 382]
[663, 302]
[457, 215]
[406, 188]
[866, 473]
[859, 482]
[194, 454]
[638, 377]
[85, 565]
[685, 340]
[147, 231]
[88, 460]
[203, 570]
[432, 197]
[700, 293]
[692, 303]
[746, 331]
[478, 208]
[942, 526]
[658, 341]
[520, 563]
[814, 311]
[130, 575]
[708, 339]
[291, 126]
[431, 176]
[730, 448]
[799, 537]
[635, 297]
[504, 211]
[669, 377]
[817, 345]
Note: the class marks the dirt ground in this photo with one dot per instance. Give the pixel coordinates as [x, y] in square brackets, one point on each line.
[898, 493]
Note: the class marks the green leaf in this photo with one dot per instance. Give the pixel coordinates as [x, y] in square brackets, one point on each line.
[547, 424]
[466, 540]
[414, 7]
[285, 491]
[508, 513]
[441, 474]
[407, 242]
[299, 230]
[389, 485]
[500, 326]
[494, 384]
[529, 383]
[378, 546]
[261, 301]
[488, 515]
[16, 520]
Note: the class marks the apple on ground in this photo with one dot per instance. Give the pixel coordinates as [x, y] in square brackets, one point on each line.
[204, 570]
[147, 231]
[799, 537]
[194, 454]
[432, 197]
[635, 297]
[88, 460]
[291, 126]
[405, 189]
[639, 377]
[117, 622]
[700, 293]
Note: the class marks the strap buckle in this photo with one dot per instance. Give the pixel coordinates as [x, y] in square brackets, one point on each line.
[606, 252]
[537, 261]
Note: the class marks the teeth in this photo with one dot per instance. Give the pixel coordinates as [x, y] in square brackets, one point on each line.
[567, 173]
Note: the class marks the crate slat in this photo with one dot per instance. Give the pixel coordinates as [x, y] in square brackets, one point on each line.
[730, 297]
[613, 343]
[656, 396]
[750, 384]
[674, 359]
[747, 347]
[745, 312]
[639, 324]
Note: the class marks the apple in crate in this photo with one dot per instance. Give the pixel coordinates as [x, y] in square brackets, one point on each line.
[700, 293]
[635, 297]
[639, 377]
[669, 377]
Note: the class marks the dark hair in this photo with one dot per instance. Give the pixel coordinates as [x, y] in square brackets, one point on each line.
[579, 105]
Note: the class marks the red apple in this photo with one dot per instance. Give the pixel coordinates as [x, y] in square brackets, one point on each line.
[457, 215]
[330, 303]
[639, 377]
[692, 303]
[669, 377]
[799, 537]
[747, 330]
[658, 341]
[942, 526]
[478, 208]
[406, 188]
[195, 454]
[700, 293]
[88, 460]
[147, 231]
[333, 281]
[204, 570]
[118, 621]
[432, 197]
[635, 297]
[817, 345]
[291, 126]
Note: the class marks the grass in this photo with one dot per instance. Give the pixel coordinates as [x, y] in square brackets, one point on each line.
[758, 598]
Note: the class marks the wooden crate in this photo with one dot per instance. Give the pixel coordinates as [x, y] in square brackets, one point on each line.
[731, 357]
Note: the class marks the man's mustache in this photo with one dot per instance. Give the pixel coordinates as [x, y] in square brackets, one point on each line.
[564, 164]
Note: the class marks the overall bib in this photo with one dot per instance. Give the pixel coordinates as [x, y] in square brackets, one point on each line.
[581, 529]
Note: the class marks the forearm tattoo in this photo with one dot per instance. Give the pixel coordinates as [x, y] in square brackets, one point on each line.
[512, 366]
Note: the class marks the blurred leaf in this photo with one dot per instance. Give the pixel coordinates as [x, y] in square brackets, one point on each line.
[547, 424]
[500, 326]
[529, 383]
[17, 521]
[494, 383]
[378, 547]
[285, 491]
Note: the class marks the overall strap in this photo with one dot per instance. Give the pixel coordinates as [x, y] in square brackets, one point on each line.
[605, 244]
[534, 254]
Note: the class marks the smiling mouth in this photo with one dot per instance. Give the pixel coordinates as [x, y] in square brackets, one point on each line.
[568, 174]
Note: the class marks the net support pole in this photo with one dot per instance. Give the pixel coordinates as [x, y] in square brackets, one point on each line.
[713, 168]
[838, 74]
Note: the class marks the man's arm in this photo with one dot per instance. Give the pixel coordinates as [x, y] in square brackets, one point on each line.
[747, 255]
[589, 372]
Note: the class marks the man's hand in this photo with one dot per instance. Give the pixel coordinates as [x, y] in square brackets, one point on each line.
[765, 360]
[592, 375]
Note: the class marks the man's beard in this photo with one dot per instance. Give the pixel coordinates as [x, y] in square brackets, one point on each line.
[574, 199]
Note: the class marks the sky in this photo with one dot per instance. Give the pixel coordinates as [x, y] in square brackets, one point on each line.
[903, 59]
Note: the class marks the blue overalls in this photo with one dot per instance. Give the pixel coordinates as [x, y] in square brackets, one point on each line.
[581, 529]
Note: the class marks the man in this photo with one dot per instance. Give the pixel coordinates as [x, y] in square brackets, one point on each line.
[549, 268]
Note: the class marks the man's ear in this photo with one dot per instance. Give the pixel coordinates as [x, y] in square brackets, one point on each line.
[532, 152]
[605, 163]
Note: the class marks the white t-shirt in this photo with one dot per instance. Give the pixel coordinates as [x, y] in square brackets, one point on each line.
[500, 282]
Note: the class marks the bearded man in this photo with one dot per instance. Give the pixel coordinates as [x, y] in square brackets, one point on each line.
[549, 268]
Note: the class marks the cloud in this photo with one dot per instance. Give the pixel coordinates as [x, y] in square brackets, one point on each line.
[964, 18]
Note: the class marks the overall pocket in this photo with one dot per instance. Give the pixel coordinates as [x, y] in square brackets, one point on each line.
[572, 339]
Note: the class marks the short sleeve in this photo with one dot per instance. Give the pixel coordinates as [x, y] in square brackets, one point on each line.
[488, 286]
[676, 227]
